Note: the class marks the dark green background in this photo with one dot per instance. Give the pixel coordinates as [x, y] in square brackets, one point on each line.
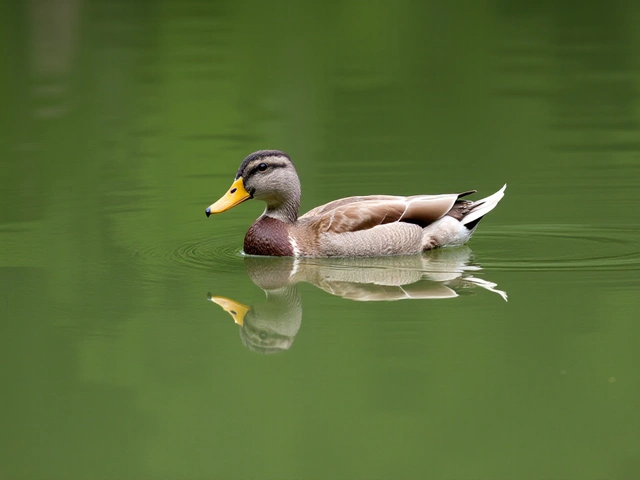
[122, 120]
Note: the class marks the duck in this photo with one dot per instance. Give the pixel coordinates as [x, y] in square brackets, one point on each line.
[358, 226]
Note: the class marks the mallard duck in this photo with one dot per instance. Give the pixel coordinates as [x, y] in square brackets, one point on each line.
[367, 226]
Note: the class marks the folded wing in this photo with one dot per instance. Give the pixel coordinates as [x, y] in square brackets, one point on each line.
[361, 213]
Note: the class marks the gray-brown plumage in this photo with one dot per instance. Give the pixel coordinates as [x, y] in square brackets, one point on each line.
[355, 226]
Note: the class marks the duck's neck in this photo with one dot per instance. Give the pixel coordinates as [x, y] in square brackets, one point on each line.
[287, 213]
[286, 206]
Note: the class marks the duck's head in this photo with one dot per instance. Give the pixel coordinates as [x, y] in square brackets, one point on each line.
[267, 175]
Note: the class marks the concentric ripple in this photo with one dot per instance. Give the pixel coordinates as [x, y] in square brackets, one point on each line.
[564, 247]
[203, 253]
[521, 247]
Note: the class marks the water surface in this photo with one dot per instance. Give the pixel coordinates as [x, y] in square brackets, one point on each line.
[123, 120]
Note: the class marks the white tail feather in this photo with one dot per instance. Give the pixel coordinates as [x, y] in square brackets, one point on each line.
[484, 206]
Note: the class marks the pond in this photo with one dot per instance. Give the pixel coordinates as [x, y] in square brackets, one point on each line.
[139, 342]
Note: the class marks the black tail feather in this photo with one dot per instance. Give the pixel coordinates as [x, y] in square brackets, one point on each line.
[473, 224]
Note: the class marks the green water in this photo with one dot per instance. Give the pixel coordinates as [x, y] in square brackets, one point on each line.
[122, 121]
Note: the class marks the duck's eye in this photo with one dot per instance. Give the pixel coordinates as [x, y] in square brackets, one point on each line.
[262, 167]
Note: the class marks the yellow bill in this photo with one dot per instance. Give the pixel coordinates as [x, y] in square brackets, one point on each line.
[236, 195]
[233, 308]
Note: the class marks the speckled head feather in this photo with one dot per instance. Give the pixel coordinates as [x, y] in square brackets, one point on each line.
[260, 154]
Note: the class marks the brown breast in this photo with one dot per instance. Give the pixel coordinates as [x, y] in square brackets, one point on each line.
[268, 236]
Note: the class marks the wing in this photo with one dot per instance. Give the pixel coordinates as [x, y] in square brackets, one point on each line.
[361, 213]
[322, 209]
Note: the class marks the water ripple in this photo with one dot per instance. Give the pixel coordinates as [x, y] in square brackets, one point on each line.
[520, 247]
[566, 247]
[205, 253]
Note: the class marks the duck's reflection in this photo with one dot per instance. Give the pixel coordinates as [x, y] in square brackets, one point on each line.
[271, 326]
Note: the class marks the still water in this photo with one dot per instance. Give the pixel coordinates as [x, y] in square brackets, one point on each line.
[513, 357]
